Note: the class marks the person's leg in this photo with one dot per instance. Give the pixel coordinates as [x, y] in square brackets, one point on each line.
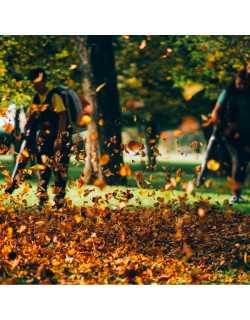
[61, 163]
[238, 172]
[44, 152]
[43, 180]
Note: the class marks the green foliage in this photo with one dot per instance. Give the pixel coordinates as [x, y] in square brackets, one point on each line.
[157, 70]
[21, 53]
[153, 71]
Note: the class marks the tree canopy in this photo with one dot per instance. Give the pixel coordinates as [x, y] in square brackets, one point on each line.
[157, 74]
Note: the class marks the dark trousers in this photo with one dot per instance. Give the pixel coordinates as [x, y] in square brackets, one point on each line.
[240, 156]
[56, 162]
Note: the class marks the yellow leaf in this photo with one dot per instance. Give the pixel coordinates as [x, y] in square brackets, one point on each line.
[9, 232]
[213, 165]
[38, 167]
[134, 82]
[78, 218]
[40, 223]
[191, 89]
[102, 207]
[71, 252]
[245, 257]
[73, 67]
[85, 120]
[47, 238]
[26, 188]
[25, 153]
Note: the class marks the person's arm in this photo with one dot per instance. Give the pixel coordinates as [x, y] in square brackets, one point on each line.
[218, 107]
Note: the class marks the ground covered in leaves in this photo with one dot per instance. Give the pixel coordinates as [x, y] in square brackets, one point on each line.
[174, 242]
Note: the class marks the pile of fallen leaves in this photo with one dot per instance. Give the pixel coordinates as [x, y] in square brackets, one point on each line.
[172, 243]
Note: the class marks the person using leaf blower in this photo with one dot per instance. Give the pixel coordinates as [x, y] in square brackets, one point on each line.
[234, 104]
[215, 144]
[48, 135]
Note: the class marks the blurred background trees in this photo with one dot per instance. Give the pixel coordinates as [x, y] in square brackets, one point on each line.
[154, 83]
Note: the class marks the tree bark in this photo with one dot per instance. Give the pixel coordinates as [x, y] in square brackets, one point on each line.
[151, 142]
[92, 169]
[104, 74]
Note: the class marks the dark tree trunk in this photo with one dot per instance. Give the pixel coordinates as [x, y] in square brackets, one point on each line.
[104, 74]
[151, 141]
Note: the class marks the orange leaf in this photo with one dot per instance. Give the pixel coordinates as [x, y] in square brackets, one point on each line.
[39, 78]
[105, 158]
[135, 146]
[125, 170]
[8, 127]
[78, 218]
[100, 183]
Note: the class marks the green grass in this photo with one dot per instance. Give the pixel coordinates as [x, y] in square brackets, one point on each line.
[217, 193]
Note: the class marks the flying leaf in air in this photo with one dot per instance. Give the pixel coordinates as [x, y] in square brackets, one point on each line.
[25, 153]
[135, 146]
[213, 165]
[104, 159]
[143, 44]
[85, 120]
[8, 127]
[73, 67]
[38, 167]
[99, 88]
[39, 78]
[100, 183]
[191, 89]
[125, 170]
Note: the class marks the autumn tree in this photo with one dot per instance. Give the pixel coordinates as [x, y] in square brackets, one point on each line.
[110, 118]
[92, 170]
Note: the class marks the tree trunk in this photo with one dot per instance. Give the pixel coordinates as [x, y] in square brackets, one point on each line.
[151, 141]
[104, 74]
[92, 169]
